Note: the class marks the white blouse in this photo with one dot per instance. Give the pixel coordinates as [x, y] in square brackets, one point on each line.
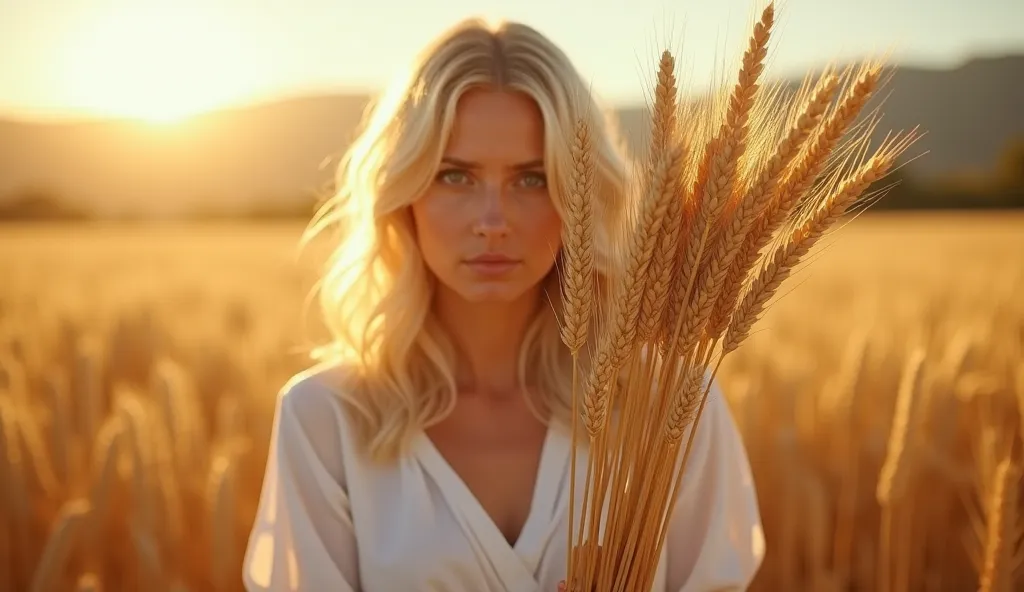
[331, 521]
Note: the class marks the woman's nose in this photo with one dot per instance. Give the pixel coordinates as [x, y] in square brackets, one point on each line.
[492, 221]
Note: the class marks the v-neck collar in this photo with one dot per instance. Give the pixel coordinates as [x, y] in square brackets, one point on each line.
[515, 565]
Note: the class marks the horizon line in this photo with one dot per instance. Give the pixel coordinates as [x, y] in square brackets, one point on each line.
[72, 116]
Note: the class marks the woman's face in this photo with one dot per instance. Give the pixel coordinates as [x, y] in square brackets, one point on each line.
[486, 226]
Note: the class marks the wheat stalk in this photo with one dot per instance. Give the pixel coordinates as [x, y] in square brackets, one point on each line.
[88, 392]
[37, 461]
[220, 496]
[1019, 388]
[1002, 517]
[66, 534]
[678, 307]
[60, 427]
[14, 492]
[893, 481]
[578, 284]
[664, 145]
[106, 456]
[844, 394]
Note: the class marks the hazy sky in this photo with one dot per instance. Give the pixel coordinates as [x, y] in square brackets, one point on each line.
[162, 59]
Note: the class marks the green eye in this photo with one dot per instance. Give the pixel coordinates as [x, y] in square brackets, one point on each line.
[534, 180]
[453, 177]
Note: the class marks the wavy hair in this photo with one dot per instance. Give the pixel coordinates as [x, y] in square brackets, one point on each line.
[376, 291]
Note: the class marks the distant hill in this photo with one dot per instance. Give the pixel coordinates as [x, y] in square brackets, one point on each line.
[277, 153]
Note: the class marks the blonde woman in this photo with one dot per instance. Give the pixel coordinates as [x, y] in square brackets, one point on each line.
[429, 449]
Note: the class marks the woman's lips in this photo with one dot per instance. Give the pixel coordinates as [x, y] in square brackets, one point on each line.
[492, 265]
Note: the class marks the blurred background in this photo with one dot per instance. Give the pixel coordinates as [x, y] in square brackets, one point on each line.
[158, 163]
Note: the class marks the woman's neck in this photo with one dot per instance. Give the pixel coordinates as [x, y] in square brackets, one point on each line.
[487, 338]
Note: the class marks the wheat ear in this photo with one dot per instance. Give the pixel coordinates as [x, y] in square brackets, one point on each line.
[800, 241]
[722, 180]
[804, 170]
[617, 343]
[659, 276]
[757, 200]
[578, 285]
[578, 243]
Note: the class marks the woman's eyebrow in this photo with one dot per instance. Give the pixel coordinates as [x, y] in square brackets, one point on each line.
[468, 164]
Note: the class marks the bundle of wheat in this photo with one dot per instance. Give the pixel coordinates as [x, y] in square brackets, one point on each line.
[694, 281]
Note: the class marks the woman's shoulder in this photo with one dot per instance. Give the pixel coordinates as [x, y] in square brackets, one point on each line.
[311, 408]
[317, 389]
[314, 391]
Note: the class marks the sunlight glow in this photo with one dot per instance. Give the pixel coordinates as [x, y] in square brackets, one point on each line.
[160, 64]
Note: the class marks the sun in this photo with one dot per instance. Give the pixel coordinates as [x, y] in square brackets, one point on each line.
[157, 64]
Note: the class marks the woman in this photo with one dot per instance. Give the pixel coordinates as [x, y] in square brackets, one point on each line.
[429, 450]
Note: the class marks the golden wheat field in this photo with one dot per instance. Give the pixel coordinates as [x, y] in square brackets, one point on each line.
[139, 367]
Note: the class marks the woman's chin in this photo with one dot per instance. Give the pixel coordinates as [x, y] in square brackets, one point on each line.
[493, 292]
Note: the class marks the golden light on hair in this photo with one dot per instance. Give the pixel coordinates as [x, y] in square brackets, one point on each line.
[376, 271]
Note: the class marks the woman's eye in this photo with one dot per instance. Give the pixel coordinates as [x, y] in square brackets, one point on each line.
[534, 180]
[453, 177]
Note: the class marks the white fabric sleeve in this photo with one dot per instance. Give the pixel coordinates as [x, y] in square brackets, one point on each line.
[715, 537]
[303, 537]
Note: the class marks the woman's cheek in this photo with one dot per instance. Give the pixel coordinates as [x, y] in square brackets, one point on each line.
[445, 211]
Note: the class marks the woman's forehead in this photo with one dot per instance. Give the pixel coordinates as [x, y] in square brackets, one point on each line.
[496, 127]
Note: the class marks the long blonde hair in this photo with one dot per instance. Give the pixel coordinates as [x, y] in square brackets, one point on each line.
[376, 292]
